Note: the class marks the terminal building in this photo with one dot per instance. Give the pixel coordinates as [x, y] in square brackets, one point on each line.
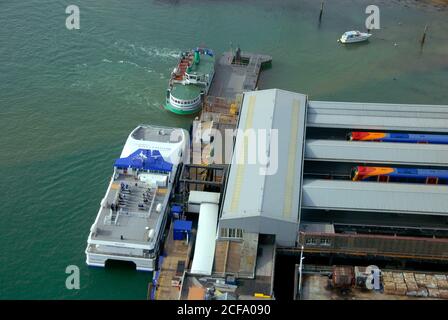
[265, 196]
[312, 202]
[312, 183]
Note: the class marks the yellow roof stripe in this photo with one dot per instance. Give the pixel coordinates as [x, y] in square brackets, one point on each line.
[243, 156]
[292, 151]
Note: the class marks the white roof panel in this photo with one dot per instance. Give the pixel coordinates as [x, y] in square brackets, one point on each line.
[373, 196]
[203, 197]
[379, 116]
[204, 251]
[377, 152]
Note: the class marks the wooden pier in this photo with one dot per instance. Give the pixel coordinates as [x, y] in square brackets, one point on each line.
[177, 256]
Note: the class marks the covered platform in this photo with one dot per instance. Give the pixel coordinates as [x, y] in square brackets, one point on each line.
[404, 198]
[376, 152]
[378, 116]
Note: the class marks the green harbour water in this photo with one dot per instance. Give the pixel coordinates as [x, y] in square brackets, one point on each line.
[69, 99]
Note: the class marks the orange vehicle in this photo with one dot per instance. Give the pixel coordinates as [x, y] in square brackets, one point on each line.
[389, 174]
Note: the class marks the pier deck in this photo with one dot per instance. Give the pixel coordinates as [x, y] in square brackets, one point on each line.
[220, 112]
[221, 108]
[234, 77]
[177, 255]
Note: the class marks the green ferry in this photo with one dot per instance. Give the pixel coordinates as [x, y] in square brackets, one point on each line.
[190, 81]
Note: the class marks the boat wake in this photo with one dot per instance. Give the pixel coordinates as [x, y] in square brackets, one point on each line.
[139, 50]
[147, 69]
[160, 52]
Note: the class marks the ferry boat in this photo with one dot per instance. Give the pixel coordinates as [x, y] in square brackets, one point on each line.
[354, 36]
[133, 213]
[190, 81]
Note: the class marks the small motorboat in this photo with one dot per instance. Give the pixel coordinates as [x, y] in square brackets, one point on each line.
[354, 36]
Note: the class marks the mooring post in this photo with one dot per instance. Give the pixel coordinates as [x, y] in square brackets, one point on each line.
[422, 41]
[321, 10]
[300, 272]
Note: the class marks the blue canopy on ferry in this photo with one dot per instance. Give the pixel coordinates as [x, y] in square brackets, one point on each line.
[144, 159]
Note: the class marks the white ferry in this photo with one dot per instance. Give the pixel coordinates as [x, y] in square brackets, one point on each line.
[190, 81]
[133, 213]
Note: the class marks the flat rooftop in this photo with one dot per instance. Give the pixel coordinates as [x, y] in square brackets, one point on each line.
[236, 257]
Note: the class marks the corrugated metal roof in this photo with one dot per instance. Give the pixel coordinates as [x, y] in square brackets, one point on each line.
[251, 193]
[380, 116]
[377, 152]
[372, 196]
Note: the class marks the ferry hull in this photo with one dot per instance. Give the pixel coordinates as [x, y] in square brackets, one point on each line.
[99, 260]
[175, 110]
[353, 40]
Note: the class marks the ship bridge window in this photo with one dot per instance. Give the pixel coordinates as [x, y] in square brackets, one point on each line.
[325, 242]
